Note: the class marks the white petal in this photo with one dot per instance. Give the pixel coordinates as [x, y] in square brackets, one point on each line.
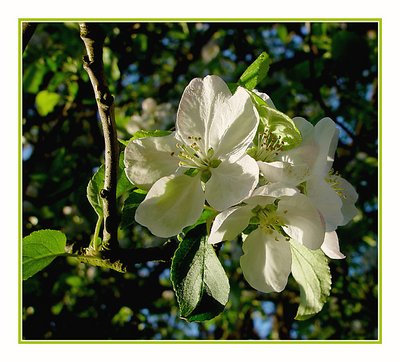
[326, 135]
[267, 260]
[349, 198]
[173, 203]
[235, 126]
[275, 190]
[307, 152]
[199, 106]
[284, 172]
[303, 221]
[148, 159]
[230, 223]
[267, 194]
[231, 183]
[330, 246]
[306, 128]
[265, 97]
[327, 201]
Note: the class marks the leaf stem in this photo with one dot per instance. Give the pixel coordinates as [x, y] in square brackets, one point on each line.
[94, 244]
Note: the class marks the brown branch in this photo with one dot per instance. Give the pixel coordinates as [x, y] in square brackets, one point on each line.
[27, 31]
[130, 257]
[93, 38]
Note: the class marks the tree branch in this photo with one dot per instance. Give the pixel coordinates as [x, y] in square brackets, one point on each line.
[115, 257]
[130, 257]
[316, 87]
[27, 31]
[93, 38]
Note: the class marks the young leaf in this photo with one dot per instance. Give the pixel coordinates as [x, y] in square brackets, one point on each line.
[39, 249]
[93, 189]
[277, 123]
[199, 280]
[130, 205]
[311, 271]
[123, 184]
[256, 72]
[96, 183]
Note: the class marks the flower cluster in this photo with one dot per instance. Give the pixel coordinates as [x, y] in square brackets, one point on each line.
[260, 170]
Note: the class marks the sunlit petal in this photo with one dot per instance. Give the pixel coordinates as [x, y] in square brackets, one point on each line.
[173, 203]
[303, 222]
[232, 132]
[230, 223]
[330, 246]
[148, 159]
[199, 108]
[267, 260]
[230, 183]
[327, 201]
[326, 135]
[278, 171]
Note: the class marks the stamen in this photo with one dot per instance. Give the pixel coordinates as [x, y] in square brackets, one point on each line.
[193, 156]
[268, 147]
[268, 220]
[332, 180]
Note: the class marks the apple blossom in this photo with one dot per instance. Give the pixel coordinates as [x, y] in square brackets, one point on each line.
[279, 215]
[309, 167]
[203, 160]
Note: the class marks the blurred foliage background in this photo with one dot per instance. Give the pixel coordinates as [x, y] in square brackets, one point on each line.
[318, 69]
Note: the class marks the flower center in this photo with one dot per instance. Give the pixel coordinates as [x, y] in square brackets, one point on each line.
[268, 147]
[268, 218]
[194, 157]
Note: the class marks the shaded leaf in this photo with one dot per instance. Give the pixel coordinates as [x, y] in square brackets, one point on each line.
[96, 184]
[311, 271]
[130, 205]
[199, 280]
[93, 189]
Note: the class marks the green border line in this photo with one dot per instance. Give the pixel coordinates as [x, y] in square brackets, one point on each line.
[226, 20]
[19, 180]
[380, 280]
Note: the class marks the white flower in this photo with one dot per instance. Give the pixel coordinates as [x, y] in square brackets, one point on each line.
[213, 131]
[153, 116]
[309, 167]
[279, 214]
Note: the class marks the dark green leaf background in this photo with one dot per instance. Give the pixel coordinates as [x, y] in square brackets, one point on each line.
[316, 70]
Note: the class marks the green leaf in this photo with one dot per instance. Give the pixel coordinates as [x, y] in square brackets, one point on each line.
[33, 77]
[39, 249]
[96, 184]
[130, 205]
[93, 189]
[46, 101]
[311, 271]
[199, 280]
[206, 215]
[256, 72]
[123, 183]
